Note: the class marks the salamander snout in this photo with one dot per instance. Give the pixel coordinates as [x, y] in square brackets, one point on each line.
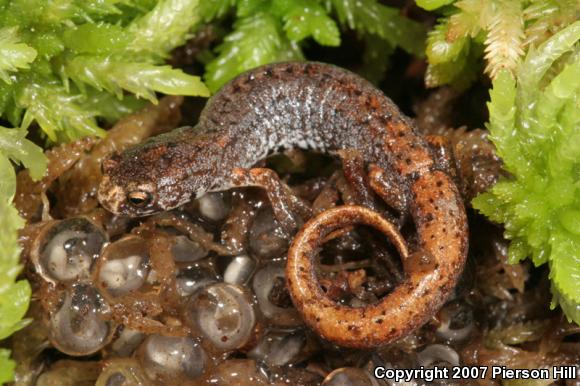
[132, 200]
[121, 194]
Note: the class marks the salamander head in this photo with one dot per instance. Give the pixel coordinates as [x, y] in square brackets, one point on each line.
[159, 175]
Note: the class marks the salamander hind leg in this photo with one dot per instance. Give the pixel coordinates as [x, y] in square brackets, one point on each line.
[387, 188]
[353, 166]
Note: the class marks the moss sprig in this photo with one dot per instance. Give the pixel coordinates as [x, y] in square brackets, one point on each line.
[497, 32]
[266, 31]
[535, 125]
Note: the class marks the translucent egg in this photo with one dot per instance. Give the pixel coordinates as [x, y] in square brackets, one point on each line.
[122, 372]
[282, 313]
[127, 342]
[279, 348]
[191, 279]
[238, 269]
[456, 322]
[213, 206]
[239, 372]
[437, 355]
[77, 328]
[224, 315]
[267, 239]
[66, 250]
[186, 250]
[170, 358]
[124, 266]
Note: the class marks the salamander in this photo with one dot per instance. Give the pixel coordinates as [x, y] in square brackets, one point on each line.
[323, 108]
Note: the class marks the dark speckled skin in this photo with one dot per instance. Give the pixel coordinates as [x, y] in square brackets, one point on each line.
[321, 107]
[309, 105]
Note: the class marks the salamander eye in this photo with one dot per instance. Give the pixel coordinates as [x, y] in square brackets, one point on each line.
[139, 198]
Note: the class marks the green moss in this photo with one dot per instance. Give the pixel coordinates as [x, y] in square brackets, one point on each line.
[498, 32]
[113, 47]
[535, 125]
[267, 31]
[14, 295]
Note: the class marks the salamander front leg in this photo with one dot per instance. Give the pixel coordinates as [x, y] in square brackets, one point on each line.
[289, 209]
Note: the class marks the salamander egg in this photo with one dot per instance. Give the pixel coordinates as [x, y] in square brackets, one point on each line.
[77, 327]
[66, 250]
[224, 314]
[192, 278]
[279, 348]
[167, 358]
[269, 285]
[267, 239]
[240, 372]
[186, 250]
[456, 322]
[214, 206]
[124, 266]
[438, 355]
[127, 342]
[238, 269]
[121, 372]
